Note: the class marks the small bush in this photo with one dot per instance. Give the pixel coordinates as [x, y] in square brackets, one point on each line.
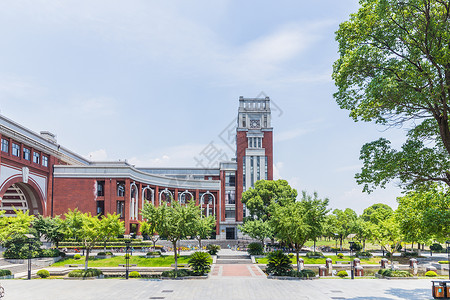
[178, 273]
[436, 247]
[213, 249]
[51, 253]
[127, 256]
[4, 272]
[43, 273]
[104, 253]
[394, 273]
[134, 274]
[255, 249]
[87, 273]
[363, 253]
[154, 253]
[77, 256]
[430, 274]
[312, 253]
[356, 247]
[342, 273]
[303, 273]
[443, 262]
[199, 262]
[278, 263]
[340, 255]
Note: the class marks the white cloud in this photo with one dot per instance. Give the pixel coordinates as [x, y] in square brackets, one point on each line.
[277, 167]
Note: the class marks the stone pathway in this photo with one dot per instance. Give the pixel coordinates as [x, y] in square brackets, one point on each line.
[238, 270]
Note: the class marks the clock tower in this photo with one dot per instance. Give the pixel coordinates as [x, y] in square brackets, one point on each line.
[254, 146]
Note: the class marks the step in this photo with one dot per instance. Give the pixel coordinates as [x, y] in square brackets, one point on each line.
[233, 261]
[233, 257]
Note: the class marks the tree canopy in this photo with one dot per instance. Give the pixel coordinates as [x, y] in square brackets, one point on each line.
[394, 69]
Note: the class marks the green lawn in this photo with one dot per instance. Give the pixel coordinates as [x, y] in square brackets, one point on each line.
[140, 261]
[321, 261]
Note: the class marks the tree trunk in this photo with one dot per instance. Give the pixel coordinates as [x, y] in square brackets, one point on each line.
[104, 247]
[364, 245]
[341, 238]
[314, 245]
[87, 259]
[297, 253]
[199, 243]
[154, 244]
[176, 255]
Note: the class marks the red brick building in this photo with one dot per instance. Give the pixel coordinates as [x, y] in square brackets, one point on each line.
[39, 175]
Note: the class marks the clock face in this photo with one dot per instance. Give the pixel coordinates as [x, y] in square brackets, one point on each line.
[254, 124]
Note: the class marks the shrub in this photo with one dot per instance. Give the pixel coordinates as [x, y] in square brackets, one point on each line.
[342, 273]
[303, 273]
[278, 264]
[87, 273]
[340, 255]
[4, 272]
[363, 253]
[154, 253]
[356, 247]
[127, 256]
[255, 249]
[199, 262]
[312, 253]
[410, 254]
[17, 247]
[178, 273]
[430, 274]
[443, 262]
[51, 253]
[134, 274]
[394, 273]
[436, 247]
[43, 273]
[77, 256]
[213, 249]
[104, 253]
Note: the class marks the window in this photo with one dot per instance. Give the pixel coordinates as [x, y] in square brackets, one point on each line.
[36, 157]
[5, 145]
[230, 179]
[100, 188]
[266, 168]
[26, 154]
[120, 189]
[258, 176]
[230, 213]
[100, 207]
[243, 172]
[243, 121]
[15, 150]
[230, 197]
[259, 142]
[45, 161]
[252, 178]
[121, 208]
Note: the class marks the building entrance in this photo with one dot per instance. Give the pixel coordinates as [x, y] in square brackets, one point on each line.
[230, 233]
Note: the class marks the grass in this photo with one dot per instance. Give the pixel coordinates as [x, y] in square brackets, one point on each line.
[321, 261]
[140, 261]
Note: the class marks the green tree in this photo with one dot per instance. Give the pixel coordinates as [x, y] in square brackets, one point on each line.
[394, 69]
[316, 213]
[258, 199]
[342, 222]
[90, 230]
[257, 229]
[50, 228]
[177, 222]
[362, 230]
[377, 212]
[203, 228]
[14, 225]
[110, 226]
[152, 219]
[388, 235]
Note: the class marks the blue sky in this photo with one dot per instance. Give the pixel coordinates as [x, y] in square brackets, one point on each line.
[155, 82]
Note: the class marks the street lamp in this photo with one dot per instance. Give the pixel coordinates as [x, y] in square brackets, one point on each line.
[30, 238]
[352, 263]
[448, 257]
[127, 257]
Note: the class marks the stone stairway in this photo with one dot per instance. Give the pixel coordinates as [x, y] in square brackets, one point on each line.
[233, 259]
[14, 268]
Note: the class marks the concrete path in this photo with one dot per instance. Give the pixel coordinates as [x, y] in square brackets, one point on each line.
[223, 288]
[241, 270]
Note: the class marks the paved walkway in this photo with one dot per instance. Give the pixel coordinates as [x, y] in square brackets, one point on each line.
[241, 270]
[223, 288]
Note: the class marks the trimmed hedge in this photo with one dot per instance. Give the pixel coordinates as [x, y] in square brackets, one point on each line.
[394, 273]
[43, 273]
[178, 273]
[303, 273]
[430, 274]
[312, 253]
[363, 253]
[5, 272]
[104, 253]
[342, 273]
[87, 273]
[77, 256]
[153, 253]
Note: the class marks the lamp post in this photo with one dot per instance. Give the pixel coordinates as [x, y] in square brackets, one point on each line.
[448, 257]
[352, 262]
[30, 242]
[127, 257]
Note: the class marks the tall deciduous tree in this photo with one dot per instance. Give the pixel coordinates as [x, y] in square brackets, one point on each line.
[18, 224]
[203, 228]
[257, 229]
[394, 69]
[342, 222]
[258, 199]
[50, 228]
[387, 234]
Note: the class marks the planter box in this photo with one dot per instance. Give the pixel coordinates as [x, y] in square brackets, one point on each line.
[379, 276]
[84, 278]
[7, 277]
[290, 278]
[185, 278]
